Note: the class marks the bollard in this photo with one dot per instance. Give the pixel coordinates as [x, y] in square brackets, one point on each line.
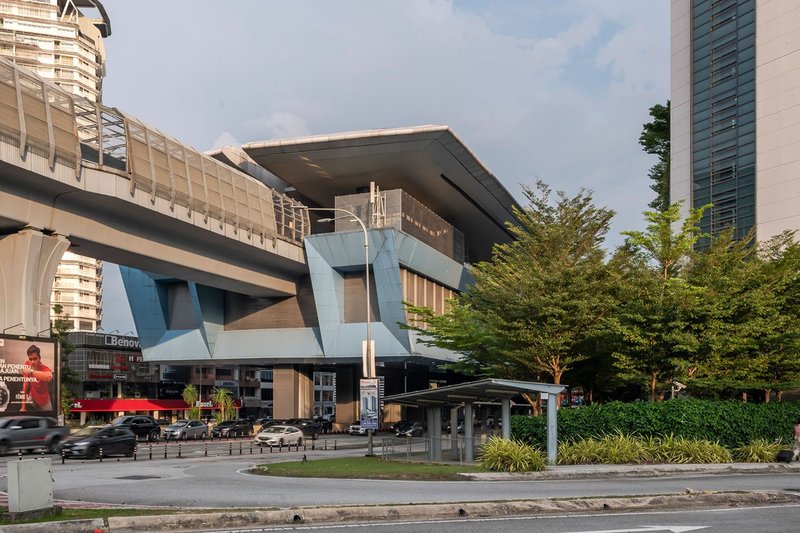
[230, 448]
[63, 456]
[19, 454]
[240, 447]
[179, 450]
[135, 451]
[260, 449]
[101, 454]
[334, 444]
[42, 453]
[151, 452]
[325, 445]
[251, 448]
[165, 450]
[206, 449]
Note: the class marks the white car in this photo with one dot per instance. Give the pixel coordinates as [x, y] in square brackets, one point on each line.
[356, 429]
[278, 436]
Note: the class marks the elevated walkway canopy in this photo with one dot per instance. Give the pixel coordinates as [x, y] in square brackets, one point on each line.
[484, 390]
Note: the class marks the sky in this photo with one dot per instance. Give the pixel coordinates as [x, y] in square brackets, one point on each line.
[537, 89]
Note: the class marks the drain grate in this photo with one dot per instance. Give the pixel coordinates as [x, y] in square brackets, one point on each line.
[138, 477]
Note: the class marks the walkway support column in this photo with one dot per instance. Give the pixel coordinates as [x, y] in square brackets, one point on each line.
[552, 427]
[28, 263]
[505, 417]
[454, 434]
[469, 445]
[435, 433]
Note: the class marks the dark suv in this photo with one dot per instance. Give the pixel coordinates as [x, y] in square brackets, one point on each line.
[232, 428]
[308, 426]
[144, 427]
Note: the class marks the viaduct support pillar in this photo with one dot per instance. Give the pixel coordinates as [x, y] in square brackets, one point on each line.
[28, 263]
[293, 391]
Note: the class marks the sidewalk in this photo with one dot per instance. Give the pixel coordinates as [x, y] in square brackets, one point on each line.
[198, 519]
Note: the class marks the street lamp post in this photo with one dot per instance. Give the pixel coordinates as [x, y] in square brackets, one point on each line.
[368, 362]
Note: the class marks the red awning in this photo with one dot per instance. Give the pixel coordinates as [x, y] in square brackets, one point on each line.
[91, 405]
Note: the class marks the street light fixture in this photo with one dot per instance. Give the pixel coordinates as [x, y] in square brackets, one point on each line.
[368, 350]
[11, 327]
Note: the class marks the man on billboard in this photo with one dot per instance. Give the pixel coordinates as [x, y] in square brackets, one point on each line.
[36, 390]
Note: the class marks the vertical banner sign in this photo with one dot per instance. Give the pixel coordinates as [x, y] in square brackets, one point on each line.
[370, 404]
[29, 376]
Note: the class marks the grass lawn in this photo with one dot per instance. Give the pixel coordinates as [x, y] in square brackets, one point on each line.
[365, 468]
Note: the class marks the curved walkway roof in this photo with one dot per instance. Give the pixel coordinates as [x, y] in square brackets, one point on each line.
[483, 390]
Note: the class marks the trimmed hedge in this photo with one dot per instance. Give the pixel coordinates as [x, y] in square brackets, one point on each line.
[731, 423]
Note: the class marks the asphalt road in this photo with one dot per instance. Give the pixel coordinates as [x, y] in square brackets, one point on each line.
[772, 519]
[222, 482]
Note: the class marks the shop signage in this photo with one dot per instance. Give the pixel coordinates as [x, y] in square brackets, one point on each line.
[121, 342]
[120, 377]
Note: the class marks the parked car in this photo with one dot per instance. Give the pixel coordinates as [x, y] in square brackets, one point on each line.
[233, 428]
[324, 424]
[356, 429]
[89, 441]
[186, 429]
[144, 427]
[410, 429]
[279, 435]
[30, 433]
[308, 426]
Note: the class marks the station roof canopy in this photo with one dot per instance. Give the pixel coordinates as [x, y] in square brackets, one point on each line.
[428, 162]
[484, 390]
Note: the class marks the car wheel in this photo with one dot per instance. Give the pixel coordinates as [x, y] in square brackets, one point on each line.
[3, 447]
[54, 445]
[153, 436]
[203, 436]
[184, 436]
[92, 453]
[129, 452]
[300, 441]
[280, 442]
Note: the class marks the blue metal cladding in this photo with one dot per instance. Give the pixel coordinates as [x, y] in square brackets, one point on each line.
[723, 114]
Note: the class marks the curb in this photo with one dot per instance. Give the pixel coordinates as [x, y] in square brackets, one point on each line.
[395, 513]
[633, 471]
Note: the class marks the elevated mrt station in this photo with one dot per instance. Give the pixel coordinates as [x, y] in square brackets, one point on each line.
[226, 257]
[430, 208]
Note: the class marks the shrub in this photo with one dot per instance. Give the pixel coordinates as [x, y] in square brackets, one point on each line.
[608, 449]
[511, 456]
[731, 423]
[672, 449]
[758, 451]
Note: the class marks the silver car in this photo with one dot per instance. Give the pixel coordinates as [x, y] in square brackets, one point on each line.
[186, 429]
[278, 436]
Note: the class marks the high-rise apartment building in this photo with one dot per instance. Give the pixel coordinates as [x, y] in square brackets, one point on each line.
[735, 70]
[55, 39]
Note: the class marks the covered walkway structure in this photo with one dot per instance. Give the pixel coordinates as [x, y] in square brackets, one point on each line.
[468, 394]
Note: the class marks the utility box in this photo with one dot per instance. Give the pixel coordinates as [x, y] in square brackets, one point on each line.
[30, 485]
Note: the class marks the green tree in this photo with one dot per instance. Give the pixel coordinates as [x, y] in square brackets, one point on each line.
[223, 399]
[532, 308]
[655, 140]
[190, 396]
[657, 306]
[60, 328]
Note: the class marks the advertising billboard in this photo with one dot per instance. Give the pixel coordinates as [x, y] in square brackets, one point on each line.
[29, 376]
[370, 404]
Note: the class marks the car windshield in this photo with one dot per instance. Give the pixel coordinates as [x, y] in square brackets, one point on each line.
[121, 421]
[179, 424]
[87, 431]
[4, 422]
[225, 423]
[277, 429]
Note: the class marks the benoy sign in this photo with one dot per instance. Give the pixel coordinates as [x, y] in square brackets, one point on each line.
[121, 342]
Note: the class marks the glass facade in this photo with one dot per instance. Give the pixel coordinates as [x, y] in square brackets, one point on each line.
[723, 113]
